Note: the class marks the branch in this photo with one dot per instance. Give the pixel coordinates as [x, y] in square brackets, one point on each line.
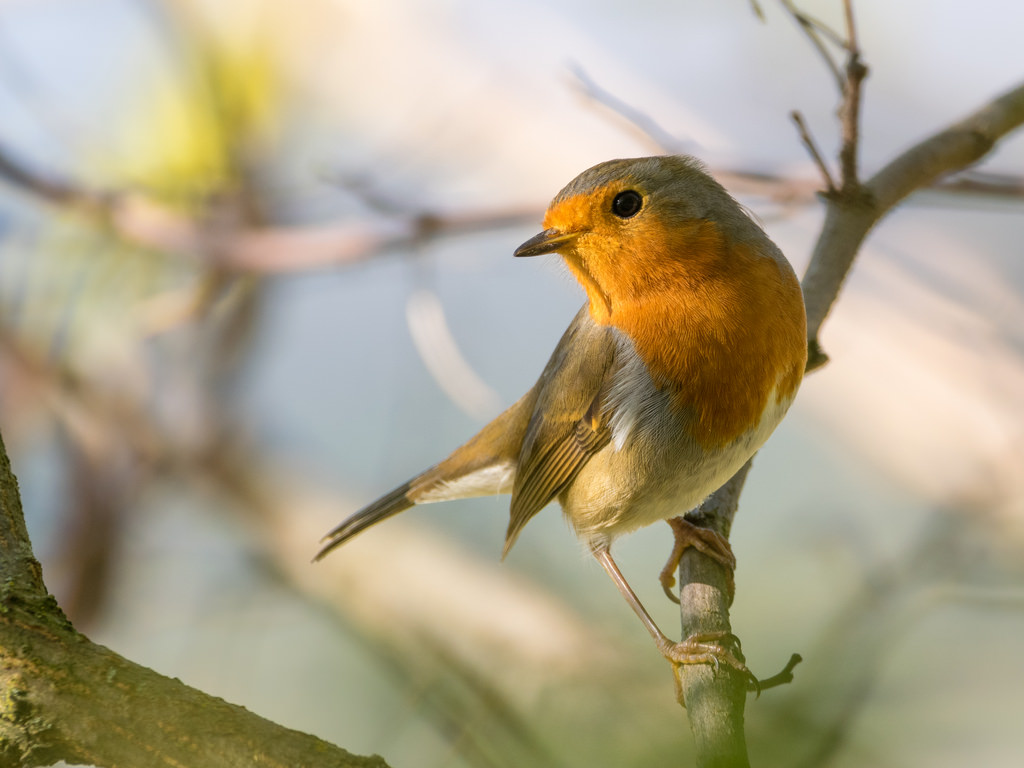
[849, 111]
[848, 223]
[982, 183]
[643, 125]
[771, 185]
[20, 572]
[139, 220]
[715, 699]
[812, 148]
[814, 30]
[63, 697]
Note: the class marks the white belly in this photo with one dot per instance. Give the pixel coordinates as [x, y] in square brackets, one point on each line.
[652, 469]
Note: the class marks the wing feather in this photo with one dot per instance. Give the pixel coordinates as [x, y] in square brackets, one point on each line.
[568, 424]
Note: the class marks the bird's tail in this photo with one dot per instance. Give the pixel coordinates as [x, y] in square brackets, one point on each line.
[485, 466]
[384, 507]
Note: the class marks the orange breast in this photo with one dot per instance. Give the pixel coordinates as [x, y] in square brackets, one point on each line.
[722, 327]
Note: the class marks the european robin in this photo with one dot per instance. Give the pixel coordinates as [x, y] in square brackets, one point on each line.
[684, 359]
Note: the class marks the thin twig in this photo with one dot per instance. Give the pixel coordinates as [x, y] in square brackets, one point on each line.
[648, 129]
[782, 678]
[982, 183]
[811, 27]
[849, 111]
[773, 186]
[849, 80]
[818, 26]
[851, 28]
[783, 190]
[812, 147]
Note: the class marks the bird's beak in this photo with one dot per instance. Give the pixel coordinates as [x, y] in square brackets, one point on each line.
[548, 241]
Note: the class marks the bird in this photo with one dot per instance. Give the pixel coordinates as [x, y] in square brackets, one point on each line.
[687, 353]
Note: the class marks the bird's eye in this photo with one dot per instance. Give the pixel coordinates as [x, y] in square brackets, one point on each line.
[627, 204]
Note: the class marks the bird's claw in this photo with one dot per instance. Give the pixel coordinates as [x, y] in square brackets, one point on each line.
[706, 541]
[714, 648]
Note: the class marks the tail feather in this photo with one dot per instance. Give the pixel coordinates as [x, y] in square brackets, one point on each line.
[383, 508]
[484, 466]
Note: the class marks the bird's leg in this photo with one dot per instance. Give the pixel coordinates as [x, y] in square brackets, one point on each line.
[703, 648]
[704, 540]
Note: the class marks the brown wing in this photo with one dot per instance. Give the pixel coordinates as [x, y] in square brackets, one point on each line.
[568, 424]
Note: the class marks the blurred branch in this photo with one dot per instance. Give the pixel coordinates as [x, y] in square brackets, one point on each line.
[854, 73]
[437, 347]
[48, 189]
[816, 31]
[139, 220]
[814, 720]
[226, 249]
[781, 189]
[65, 698]
[982, 183]
[105, 479]
[643, 125]
[769, 185]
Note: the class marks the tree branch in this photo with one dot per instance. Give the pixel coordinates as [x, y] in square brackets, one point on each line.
[140, 220]
[848, 223]
[715, 699]
[63, 697]
[20, 572]
[814, 29]
[849, 111]
[812, 148]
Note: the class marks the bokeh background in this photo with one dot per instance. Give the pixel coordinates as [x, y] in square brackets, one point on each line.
[255, 270]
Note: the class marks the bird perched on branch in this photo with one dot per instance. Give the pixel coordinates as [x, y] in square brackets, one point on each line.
[685, 357]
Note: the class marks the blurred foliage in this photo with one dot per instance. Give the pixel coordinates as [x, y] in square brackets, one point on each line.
[189, 139]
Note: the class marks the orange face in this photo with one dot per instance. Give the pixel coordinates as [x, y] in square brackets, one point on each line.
[718, 321]
[619, 261]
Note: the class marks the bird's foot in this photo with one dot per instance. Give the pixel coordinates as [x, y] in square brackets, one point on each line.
[704, 540]
[714, 648]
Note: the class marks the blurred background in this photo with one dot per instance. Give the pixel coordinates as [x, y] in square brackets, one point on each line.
[255, 271]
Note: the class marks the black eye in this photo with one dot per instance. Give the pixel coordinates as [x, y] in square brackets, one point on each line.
[627, 204]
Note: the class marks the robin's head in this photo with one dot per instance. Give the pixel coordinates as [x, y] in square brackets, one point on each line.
[626, 227]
